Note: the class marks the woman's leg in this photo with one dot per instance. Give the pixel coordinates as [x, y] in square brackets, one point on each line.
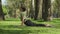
[22, 21]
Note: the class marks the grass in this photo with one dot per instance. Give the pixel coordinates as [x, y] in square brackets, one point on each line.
[13, 27]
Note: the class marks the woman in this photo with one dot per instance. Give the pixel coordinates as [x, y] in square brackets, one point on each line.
[23, 14]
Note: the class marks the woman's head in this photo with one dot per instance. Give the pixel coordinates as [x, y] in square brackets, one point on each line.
[23, 8]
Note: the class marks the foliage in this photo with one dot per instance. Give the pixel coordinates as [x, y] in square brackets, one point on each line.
[5, 10]
[56, 6]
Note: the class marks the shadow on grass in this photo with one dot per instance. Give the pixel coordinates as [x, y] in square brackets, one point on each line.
[16, 26]
[12, 26]
[22, 29]
[15, 31]
[12, 20]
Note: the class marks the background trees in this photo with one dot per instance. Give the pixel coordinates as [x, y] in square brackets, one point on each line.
[13, 6]
[1, 12]
[36, 9]
[56, 9]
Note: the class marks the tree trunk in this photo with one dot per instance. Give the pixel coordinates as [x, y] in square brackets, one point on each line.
[36, 9]
[40, 10]
[32, 9]
[15, 14]
[1, 12]
[46, 10]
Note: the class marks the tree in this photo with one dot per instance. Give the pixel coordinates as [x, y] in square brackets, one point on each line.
[36, 9]
[40, 10]
[1, 12]
[13, 6]
[56, 8]
[32, 8]
[46, 10]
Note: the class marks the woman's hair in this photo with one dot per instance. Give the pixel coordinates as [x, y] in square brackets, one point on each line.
[23, 7]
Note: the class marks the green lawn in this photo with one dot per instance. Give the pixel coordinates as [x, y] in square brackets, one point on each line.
[13, 27]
